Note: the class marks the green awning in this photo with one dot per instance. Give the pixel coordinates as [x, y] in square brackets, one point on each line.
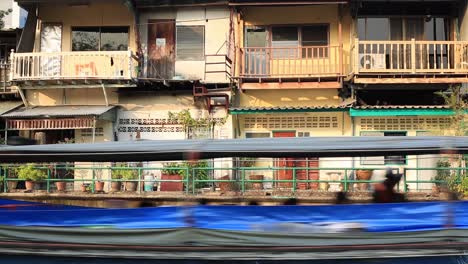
[400, 112]
[260, 110]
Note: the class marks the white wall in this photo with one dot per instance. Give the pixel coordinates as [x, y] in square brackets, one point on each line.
[216, 22]
[16, 18]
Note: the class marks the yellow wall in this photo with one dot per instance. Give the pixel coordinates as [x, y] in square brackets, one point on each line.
[69, 96]
[97, 13]
[290, 97]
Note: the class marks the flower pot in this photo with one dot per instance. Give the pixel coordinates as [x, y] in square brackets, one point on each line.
[131, 186]
[11, 185]
[363, 175]
[83, 187]
[29, 185]
[256, 185]
[116, 186]
[171, 186]
[61, 186]
[99, 186]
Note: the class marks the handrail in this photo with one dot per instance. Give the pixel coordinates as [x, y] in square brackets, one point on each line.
[291, 178]
[410, 56]
[117, 65]
[304, 61]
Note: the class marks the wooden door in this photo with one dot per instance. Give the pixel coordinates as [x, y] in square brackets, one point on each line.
[286, 174]
[161, 48]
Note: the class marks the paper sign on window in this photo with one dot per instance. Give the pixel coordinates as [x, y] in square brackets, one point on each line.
[160, 42]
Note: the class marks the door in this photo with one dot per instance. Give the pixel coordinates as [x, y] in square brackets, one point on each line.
[257, 55]
[286, 174]
[51, 41]
[161, 49]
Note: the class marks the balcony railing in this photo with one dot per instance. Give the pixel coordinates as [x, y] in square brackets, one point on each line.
[118, 65]
[283, 62]
[410, 57]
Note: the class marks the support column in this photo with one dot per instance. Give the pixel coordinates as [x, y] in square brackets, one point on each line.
[94, 129]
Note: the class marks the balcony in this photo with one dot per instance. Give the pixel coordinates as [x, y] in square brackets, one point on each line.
[83, 67]
[410, 61]
[292, 67]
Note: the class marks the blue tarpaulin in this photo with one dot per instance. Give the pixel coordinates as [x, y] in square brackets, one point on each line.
[374, 217]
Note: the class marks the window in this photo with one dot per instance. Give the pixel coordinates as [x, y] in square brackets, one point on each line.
[99, 38]
[312, 38]
[190, 43]
[317, 37]
[303, 134]
[395, 160]
[257, 135]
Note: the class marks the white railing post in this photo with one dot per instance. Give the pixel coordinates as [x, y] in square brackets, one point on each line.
[356, 56]
[12, 64]
[413, 55]
[130, 64]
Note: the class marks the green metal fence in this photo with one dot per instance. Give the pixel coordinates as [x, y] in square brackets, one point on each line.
[240, 177]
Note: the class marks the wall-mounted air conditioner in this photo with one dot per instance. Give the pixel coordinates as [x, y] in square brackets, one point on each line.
[372, 61]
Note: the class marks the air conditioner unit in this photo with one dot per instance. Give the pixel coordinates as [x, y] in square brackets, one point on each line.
[372, 61]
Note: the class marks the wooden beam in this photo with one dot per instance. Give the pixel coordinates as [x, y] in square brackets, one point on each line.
[409, 80]
[25, 102]
[292, 85]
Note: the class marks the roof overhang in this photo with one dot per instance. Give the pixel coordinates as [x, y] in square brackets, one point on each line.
[58, 111]
[266, 110]
[402, 112]
[178, 3]
[284, 3]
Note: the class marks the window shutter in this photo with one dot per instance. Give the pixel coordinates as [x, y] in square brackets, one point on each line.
[379, 160]
[190, 43]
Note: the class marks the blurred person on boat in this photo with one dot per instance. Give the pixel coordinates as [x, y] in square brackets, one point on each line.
[384, 192]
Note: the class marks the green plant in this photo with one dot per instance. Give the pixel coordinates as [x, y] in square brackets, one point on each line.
[189, 170]
[125, 172]
[30, 173]
[171, 168]
[443, 174]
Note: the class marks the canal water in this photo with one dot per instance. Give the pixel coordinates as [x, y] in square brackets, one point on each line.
[9, 259]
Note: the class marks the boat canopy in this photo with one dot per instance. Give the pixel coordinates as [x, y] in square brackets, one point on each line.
[164, 150]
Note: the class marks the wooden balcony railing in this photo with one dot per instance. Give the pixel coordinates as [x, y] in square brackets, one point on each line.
[117, 65]
[283, 62]
[410, 57]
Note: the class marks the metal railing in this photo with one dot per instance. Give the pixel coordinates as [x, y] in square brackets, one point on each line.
[313, 61]
[72, 65]
[410, 57]
[272, 178]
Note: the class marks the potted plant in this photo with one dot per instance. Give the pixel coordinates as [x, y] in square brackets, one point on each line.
[129, 176]
[2, 180]
[364, 175]
[98, 185]
[10, 173]
[442, 174]
[116, 184]
[60, 173]
[30, 175]
[249, 163]
[171, 171]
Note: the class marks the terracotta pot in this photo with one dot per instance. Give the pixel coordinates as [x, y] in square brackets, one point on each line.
[363, 175]
[99, 186]
[116, 186]
[83, 188]
[11, 185]
[131, 186]
[29, 185]
[61, 186]
[171, 186]
[256, 185]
